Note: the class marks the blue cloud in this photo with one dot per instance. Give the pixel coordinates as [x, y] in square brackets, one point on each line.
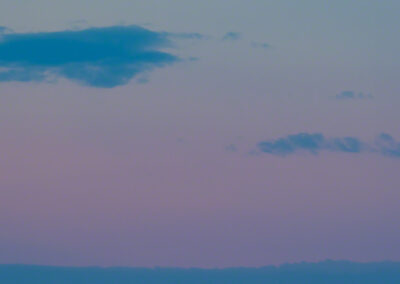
[346, 95]
[99, 57]
[387, 145]
[231, 36]
[290, 144]
[346, 144]
[260, 45]
[314, 143]
[333, 272]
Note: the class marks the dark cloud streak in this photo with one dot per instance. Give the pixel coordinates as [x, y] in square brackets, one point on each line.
[263, 45]
[231, 36]
[351, 95]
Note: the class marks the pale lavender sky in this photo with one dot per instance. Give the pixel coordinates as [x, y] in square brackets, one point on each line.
[167, 169]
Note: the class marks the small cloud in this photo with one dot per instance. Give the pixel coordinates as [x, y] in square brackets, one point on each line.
[288, 145]
[260, 45]
[231, 36]
[346, 95]
[387, 145]
[231, 148]
[314, 143]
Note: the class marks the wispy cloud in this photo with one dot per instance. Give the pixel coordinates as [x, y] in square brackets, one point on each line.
[188, 35]
[349, 95]
[260, 45]
[231, 148]
[231, 36]
[314, 143]
[99, 57]
[387, 145]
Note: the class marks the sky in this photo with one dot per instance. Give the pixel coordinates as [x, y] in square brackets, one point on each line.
[199, 133]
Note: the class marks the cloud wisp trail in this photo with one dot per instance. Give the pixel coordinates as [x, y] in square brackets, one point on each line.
[231, 36]
[351, 95]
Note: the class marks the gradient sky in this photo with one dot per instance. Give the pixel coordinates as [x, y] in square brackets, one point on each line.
[235, 133]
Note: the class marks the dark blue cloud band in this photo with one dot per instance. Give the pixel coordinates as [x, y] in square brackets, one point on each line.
[314, 143]
[99, 57]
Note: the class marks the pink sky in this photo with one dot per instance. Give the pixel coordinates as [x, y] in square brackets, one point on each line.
[165, 169]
